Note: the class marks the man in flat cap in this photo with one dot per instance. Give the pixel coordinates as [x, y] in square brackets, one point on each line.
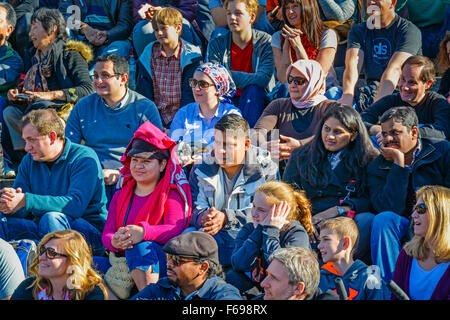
[193, 272]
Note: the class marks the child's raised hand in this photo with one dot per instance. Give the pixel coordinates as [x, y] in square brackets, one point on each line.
[278, 216]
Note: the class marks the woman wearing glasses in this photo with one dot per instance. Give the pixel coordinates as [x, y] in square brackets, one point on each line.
[423, 265]
[212, 87]
[153, 206]
[295, 117]
[59, 75]
[62, 271]
[332, 169]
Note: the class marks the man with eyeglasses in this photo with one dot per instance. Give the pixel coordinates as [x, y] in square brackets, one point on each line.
[193, 272]
[406, 163]
[107, 119]
[59, 185]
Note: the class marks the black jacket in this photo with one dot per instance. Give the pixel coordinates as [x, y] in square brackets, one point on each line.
[390, 184]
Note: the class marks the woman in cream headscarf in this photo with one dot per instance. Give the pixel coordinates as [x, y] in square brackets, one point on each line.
[295, 117]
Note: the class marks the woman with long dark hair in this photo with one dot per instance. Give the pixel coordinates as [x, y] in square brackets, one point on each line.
[332, 171]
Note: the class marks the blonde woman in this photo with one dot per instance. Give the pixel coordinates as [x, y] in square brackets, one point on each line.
[62, 271]
[281, 218]
[423, 266]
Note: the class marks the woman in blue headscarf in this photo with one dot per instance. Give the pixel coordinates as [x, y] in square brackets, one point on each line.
[212, 87]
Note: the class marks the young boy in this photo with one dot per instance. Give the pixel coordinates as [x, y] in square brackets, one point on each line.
[338, 237]
[247, 54]
[166, 65]
[223, 185]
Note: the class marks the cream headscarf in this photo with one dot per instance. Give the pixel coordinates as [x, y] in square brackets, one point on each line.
[315, 90]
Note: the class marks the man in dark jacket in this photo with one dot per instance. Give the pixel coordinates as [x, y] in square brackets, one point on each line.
[407, 162]
[294, 274]
[432, 109]
[105, 24]
[193, 272]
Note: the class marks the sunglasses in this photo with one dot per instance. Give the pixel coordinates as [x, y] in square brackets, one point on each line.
[297, 80]
[177, 260]
[201, 83]
[50, 252]
[420, 208]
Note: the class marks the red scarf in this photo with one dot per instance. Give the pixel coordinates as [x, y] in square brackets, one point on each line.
[174, 178]
[309, 48]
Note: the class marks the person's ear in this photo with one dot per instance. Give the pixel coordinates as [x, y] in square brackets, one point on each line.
[179, 29]
[204, 267]
[253, 18]
[162, 165]
[346, 243]
[53, 136]
[354, 136]
[415, 132]
[124, 78]
[9, 30]
[299, 288]
[428, 84]
[247, 143]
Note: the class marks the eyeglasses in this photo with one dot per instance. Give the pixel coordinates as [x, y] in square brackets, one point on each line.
[50, 252]
[420, 208]
[297, 80]
[201, 84]
[177, 260]
[105, 76]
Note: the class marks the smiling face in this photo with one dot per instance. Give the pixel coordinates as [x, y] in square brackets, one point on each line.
[276, 284]
[238, 17]
[293, 14]
[330, 245]
[296, 91]
[412, 88]
[5, 30]
[335, 136]
[146, 171]
[106, 82]
[167, 34]
[55, 268]
[39, 36]
[204, 96]
[230, 149]
[421, 222]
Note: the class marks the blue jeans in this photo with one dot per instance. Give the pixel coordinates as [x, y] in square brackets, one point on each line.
[143, 34]
[388, 231]
[364, 221]
[142, 256]
[251, 102]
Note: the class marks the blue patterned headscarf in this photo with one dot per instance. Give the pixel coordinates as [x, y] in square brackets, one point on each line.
[221, 78]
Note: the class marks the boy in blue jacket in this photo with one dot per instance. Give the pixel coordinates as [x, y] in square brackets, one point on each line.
[338, 238]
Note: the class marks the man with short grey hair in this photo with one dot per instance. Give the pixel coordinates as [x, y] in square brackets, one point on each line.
[294, 274]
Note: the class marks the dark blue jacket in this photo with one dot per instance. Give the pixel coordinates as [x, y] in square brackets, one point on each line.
[360, 281]
[389, 183]
[214, 288]
[254, 246]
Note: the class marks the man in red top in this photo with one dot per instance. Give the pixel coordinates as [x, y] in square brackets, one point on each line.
[247, 54]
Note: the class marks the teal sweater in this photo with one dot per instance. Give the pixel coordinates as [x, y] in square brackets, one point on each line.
[73, 186]
[109, 130]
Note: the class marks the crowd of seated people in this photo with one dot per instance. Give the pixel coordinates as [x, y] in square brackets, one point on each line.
[225, 150]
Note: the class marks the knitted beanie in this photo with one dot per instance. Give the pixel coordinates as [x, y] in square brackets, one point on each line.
[118, 277]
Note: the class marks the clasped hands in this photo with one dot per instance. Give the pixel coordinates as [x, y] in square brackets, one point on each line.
[126, 237]
[12, 200]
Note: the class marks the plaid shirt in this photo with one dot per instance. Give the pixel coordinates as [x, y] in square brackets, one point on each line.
[166, 73]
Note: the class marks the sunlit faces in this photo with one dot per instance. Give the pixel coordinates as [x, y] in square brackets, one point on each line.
[276, 284]
[293, 14]
[167, 34]
[106, 81]
[39, 36]
[181, 275]
[39, 147]
[207, 95]
[262, 207]
[330, 245]
[56, 267]
[5, 30]
[146, 171]
[421, 222]
[335, 136]
[230, 148]
[296, 91]
[412, 88]
[395, 135]
[238, 17]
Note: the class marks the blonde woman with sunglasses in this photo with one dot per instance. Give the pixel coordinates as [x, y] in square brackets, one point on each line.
[423, 266]
[62, 270]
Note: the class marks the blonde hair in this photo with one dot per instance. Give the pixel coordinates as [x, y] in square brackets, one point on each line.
[437, 237]
[278, 191]
[83, 277]
[343, 227]
[169, 17]
[250, 5]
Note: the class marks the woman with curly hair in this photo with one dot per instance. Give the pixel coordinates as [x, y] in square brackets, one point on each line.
[423, 266]
[281, 218]
[62, 271]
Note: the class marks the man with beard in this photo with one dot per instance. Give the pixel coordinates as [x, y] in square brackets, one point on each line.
[406, 163]
[193, 272]
[432, 109]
